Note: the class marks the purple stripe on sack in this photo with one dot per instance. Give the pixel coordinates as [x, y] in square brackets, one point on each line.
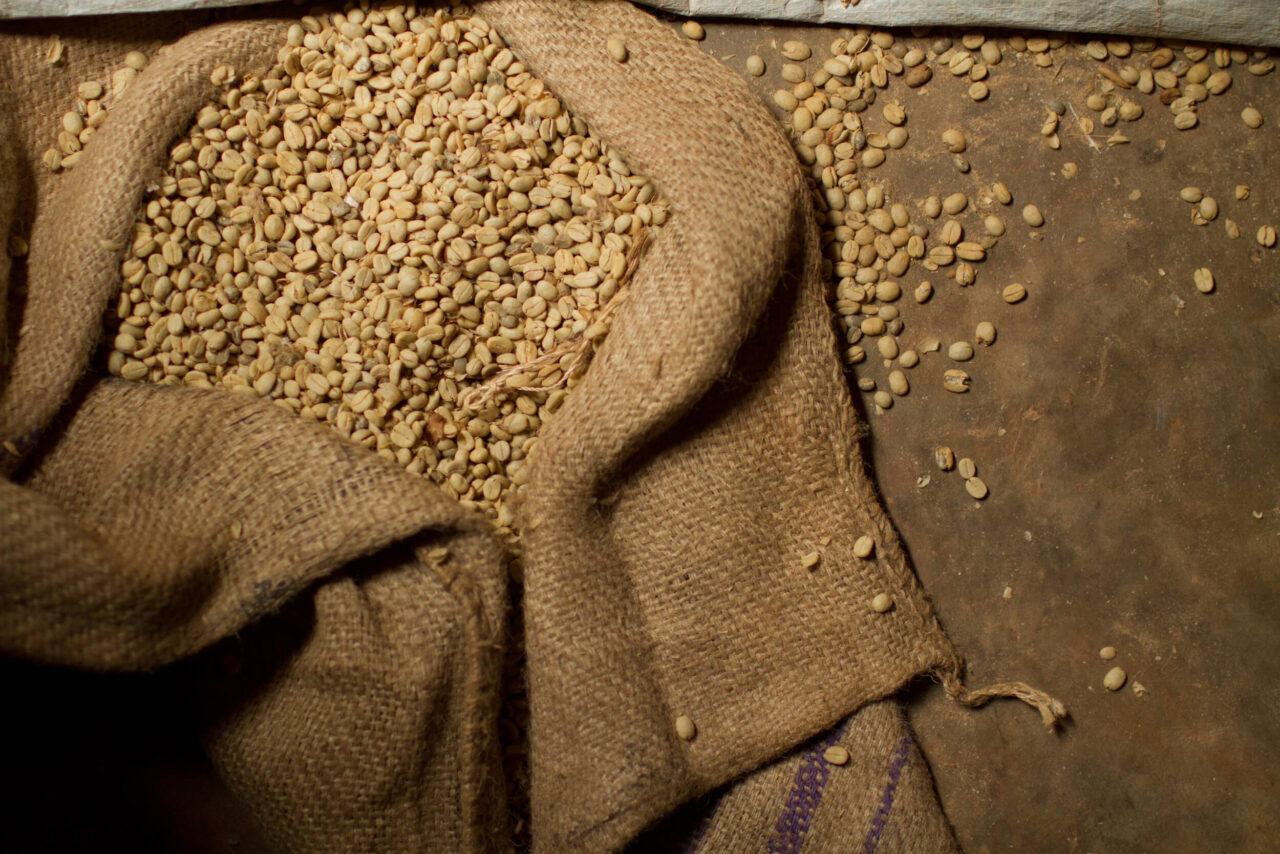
[802, 800]
[886, 799]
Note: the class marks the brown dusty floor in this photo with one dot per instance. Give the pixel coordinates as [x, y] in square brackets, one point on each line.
[1126, 427]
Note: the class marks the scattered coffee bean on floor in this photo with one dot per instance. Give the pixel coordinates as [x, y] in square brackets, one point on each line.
[1203, 277]
[976, 487]
[956, 381]
[1014, 293]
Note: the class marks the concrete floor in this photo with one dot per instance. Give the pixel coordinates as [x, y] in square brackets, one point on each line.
[1126, 426]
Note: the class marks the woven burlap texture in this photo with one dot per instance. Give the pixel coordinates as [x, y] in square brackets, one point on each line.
[880, 798]
[145, 524]
[711, 444]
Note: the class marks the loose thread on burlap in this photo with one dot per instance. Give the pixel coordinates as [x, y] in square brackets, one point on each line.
[579, 350]
[1052, 711]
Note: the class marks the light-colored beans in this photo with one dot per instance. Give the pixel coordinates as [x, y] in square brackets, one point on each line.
[976, 488]
[882, 603]
[795, 50]
[955, 380]
[1115, 679]
[1130, 111]
[888, 291]
[955, 203]
[693, 30]
[1032, 216]
[836, 755]
[793, 73]
[617, 49]
[54, 50]
[1203, 278]
[864, 546]
[686, 729]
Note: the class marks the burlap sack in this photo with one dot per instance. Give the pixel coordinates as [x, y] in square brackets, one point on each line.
[881, 799]
[145, 524]
[711, 444]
